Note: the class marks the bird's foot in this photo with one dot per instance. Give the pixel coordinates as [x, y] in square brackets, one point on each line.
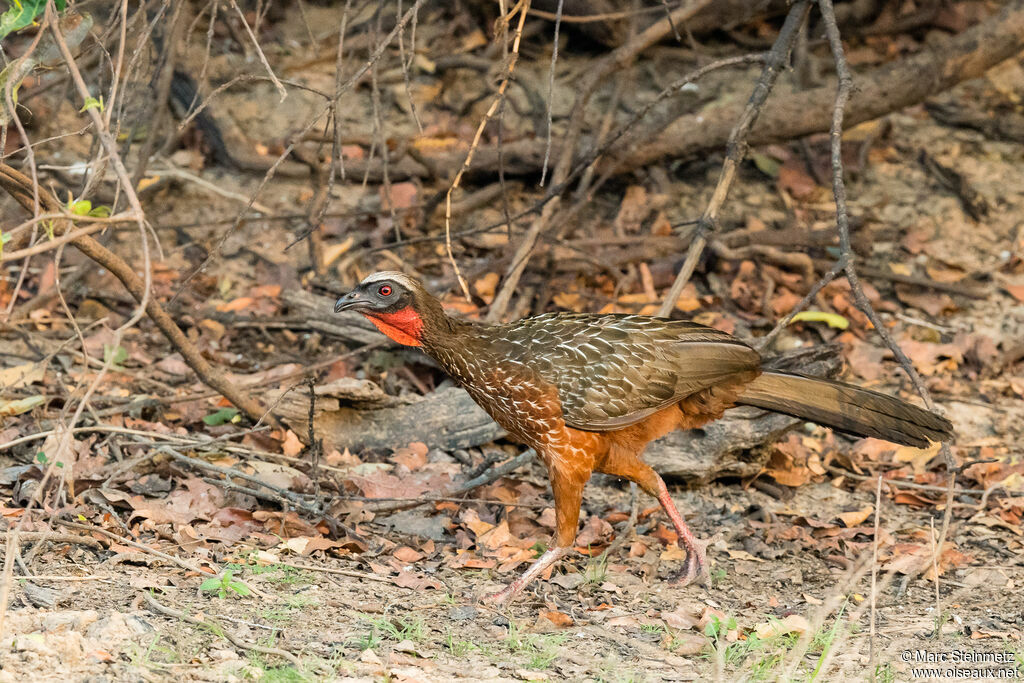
[695, 567]
[504, 596]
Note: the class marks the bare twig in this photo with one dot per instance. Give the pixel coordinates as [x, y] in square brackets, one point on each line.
[283, 496]
[935, 570]
[184, 564]
[340, 572]
[845, 84]
[331, 104]
[213, 627]
[897, 483]
[32, 536]
[259, 52]
[551, 92]
[96, 224]
[544, 205]
[20, 186]
[485, 478]
[499, 97]
[737, 147]
[562, 174]
[874, 574]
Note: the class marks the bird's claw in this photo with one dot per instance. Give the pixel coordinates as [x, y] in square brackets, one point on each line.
[695, 566]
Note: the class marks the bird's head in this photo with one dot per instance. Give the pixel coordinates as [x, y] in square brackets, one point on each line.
[397, 304]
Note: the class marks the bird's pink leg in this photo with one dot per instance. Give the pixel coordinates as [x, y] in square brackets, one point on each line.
[513, 589]
[567, 487]
[696, 550]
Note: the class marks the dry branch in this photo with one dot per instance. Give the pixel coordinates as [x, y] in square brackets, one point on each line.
[616, 60]
[737, 147]
[19, 186]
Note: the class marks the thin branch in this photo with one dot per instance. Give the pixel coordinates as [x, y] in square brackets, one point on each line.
[499, 97]
[19, 186]
[213, 627]
[562, 175]
[259, 52]
[485, 478]
[737, 148]
[845, 84]
[551, 92]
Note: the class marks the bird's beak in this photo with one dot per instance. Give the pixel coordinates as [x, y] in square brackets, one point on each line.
[352, 300]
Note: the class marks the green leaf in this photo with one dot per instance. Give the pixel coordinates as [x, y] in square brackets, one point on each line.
[210, 584]
[92, 103]
[767, 165]
[222, 416]
[4, 239]
[41, 458]
[114, 355]
[23, 13]
[240, 588]
[833, 319]
[83, 207]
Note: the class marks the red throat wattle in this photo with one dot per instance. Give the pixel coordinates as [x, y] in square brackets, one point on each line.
[404, 326]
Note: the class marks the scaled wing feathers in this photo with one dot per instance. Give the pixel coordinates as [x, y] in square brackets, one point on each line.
[612, 371]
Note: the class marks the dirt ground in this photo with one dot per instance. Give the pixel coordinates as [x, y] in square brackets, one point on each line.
[798, 589]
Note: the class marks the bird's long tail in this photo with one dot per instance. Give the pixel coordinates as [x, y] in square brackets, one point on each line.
[847, 408]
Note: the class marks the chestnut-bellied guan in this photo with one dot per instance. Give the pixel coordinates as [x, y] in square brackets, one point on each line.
[589, 391]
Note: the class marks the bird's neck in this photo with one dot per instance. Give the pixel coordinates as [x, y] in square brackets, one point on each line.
[423, 323]
[405, 325]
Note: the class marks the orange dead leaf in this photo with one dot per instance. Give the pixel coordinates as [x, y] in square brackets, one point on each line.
[595, 531]
[558, 619]
[917, 457]
[291, 445]
[235, 305]
[267, 291]
[407, 555]
[495, 538]
[908, 498]
[665, 535]
[855, 518]
[472, 520]
[1016, 291]
[486, 286]
[412, 459]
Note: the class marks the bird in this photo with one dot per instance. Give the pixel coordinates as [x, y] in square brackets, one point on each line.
[589, 391]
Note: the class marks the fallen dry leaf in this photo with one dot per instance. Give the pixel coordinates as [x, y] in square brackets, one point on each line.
[291, 446]
[22, 375]
[558, 619]
[407, 555]
[917, 457]
[1016, 291]
[595, 531]
[855, 518]
[495, 538]
[794, 623]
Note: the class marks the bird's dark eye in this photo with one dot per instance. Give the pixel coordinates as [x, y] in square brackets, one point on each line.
[385, 290]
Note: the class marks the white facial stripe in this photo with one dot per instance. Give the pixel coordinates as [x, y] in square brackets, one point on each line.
[393, 275]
